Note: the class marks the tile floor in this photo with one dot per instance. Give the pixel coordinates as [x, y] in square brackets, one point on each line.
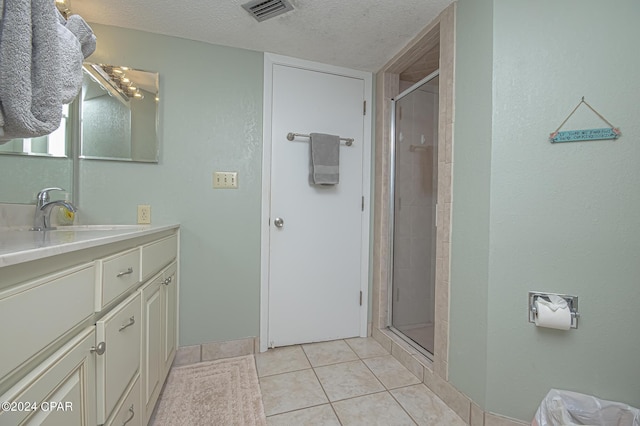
[345, 382]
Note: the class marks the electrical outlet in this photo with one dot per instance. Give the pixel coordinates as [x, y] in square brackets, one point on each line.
[144, 214]
[225, 180]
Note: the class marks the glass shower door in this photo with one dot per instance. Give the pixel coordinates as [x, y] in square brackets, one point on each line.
[414, 187]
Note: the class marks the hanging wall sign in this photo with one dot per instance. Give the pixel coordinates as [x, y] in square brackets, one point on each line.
[585, 134]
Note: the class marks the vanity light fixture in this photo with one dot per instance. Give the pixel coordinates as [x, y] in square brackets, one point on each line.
[122, 83]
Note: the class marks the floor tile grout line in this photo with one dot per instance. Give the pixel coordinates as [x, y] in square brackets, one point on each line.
[376, 393]
[333, 363]
[380, 380]
[359, 396]
[284, 372]
[402, 406]
[322, 387]
[301, 409]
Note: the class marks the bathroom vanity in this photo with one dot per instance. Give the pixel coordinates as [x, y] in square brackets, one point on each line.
[88, 323]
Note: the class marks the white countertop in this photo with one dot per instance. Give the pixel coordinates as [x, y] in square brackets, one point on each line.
[17, 246]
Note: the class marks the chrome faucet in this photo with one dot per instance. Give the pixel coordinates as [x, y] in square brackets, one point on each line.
[41, 219]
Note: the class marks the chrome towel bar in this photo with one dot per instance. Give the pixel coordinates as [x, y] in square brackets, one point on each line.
[291, 136]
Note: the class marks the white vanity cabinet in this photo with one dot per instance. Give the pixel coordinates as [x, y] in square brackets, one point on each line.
[159, 311]
[86, 333]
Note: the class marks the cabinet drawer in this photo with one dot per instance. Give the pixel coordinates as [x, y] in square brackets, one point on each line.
[120, 330]
[38, 312]
[117, 274]
[158, 254]
[128, 412]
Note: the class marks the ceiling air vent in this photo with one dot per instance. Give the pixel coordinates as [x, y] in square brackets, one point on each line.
[263, 10]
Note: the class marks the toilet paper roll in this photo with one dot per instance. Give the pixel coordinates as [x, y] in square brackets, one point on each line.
[546, 317]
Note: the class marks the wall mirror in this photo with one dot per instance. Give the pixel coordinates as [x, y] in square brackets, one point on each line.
[119, 114]
[29, 165]
[56, 144]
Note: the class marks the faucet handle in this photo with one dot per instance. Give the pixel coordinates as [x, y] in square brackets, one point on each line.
[43, 195]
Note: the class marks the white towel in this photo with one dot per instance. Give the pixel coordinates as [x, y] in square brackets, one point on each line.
[30, 83]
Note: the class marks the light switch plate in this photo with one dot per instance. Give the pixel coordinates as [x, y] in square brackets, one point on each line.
[225, 180]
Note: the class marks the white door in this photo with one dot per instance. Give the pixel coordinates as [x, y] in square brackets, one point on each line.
[315, 268]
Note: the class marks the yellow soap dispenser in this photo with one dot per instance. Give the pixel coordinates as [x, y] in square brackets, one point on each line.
[65, 216]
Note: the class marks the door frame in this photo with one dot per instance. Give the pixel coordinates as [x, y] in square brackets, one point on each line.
[269, 61]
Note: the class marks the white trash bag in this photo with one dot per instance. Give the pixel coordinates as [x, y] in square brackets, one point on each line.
[560, 408]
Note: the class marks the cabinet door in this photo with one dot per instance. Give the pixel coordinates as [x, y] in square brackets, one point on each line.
[116, 367]
[60, 391]
[170, 320]
[152, 353]
[128, 413]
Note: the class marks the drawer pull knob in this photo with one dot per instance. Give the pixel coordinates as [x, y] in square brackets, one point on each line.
[127, 272]
[167, 281]
[132, 414]
[99, 350]
[132, 321]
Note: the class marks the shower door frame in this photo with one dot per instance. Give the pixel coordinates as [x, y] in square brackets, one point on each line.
[392, 197]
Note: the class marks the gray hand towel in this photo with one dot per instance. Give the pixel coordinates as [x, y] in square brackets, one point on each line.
[30, 74]
[76, 43]
[324, 159]
[83, 33]
[71, 63]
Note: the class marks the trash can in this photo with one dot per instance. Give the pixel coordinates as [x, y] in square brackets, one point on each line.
[566, 408]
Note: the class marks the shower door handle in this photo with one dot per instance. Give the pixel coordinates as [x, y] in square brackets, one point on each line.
[278, 222]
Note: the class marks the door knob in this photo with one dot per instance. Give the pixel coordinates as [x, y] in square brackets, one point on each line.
[278, 222]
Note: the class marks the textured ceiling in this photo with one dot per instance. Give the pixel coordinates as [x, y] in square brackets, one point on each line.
[359, 34]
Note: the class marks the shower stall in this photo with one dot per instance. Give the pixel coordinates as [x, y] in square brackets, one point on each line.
[413, 211]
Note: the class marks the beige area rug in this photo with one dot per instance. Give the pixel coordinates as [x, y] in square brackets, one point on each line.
[222, 392]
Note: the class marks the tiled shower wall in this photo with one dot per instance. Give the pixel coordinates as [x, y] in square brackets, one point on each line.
[388, 86]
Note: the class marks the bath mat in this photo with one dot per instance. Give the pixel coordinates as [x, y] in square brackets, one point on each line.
[221, 392]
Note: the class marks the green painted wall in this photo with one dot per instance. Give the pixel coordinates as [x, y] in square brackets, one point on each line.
[24, 176]
[211, 114]
[562, 217]
[472, 179]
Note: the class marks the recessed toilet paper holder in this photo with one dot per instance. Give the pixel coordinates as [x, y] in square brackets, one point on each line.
[572, 303]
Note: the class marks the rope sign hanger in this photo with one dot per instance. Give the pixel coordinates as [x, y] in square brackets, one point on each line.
[586, 134]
